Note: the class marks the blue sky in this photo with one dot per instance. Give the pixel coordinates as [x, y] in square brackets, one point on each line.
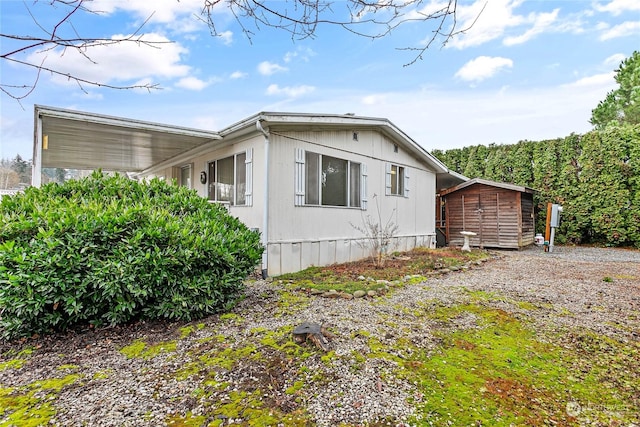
[526, 70]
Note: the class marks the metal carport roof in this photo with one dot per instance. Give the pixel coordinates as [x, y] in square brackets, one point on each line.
[79, 140]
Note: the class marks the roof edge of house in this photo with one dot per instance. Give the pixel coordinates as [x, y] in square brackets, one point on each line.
[84, 116]
[267, 118]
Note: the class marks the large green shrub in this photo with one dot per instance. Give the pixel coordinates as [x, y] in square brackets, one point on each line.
[109, 250]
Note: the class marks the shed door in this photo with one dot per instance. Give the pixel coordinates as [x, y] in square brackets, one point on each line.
[487, 212]
[480, 215]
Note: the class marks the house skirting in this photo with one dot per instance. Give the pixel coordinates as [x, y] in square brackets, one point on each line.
[292, 256]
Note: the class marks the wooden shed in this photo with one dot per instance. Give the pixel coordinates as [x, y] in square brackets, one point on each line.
[500, 214]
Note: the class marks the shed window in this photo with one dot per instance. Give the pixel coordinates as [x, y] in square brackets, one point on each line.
[397, 180]
[329, 181]
[230, 179]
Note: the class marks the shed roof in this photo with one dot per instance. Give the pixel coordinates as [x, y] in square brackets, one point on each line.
[481, 181]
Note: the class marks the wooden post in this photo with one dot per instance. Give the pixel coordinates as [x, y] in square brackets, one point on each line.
[547, 230]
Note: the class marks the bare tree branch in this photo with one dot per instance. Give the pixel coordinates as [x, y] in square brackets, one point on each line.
[446, 35]
[54, 40]
[373, 19]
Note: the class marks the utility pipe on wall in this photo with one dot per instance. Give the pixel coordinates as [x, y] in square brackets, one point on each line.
[265, 216]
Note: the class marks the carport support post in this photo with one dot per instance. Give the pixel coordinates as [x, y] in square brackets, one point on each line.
[36, 166]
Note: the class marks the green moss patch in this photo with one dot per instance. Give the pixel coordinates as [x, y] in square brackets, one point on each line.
[31, 405]
[17, 359]
[141, 350]
[500, 372]
[269, 396]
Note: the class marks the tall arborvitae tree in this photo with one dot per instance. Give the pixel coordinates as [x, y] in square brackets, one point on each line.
[545, 170]
[621, 105]
[455, 159]
[476, 162]
[604, 197]
[521, 160]
[568, 187]
[632, 136]
[498, 168]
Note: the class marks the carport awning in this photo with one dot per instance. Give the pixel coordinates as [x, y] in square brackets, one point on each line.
[77, 140]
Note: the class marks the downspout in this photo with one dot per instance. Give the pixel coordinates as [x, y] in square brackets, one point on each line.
[265, 216]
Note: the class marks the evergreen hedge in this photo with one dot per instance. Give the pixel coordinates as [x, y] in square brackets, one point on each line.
[109, 250]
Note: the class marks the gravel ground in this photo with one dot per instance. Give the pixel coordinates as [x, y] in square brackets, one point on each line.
[592, 288]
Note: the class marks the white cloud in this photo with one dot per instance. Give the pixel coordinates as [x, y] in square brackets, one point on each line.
[373, 99]
[482, 68]
[267, 68]
[541, 23]
[302, 53]
[238, 75]
[622, 30]
[118, 63]
[160, 11]
[615, 60]
[227, 37]
[596, 80]
[290, 91]
[483, 25]
[484, 21]
[192, 83]
[616, 7]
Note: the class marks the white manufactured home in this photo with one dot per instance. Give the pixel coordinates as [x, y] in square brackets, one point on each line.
[305, 181]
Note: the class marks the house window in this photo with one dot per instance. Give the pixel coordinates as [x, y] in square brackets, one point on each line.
[230, 179]
[329, 181]
[397, 180]
[185, 176]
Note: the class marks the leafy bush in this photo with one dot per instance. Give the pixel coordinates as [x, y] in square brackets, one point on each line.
[109, 250]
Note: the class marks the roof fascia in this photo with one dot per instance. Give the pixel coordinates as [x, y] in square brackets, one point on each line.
[387, 127]
[122, 122]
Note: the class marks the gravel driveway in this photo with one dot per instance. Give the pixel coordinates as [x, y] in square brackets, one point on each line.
[592, 288]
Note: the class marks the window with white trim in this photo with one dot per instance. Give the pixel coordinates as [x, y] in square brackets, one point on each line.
[185, 176]
[397, 180]
[323, 180]
[230, 179]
